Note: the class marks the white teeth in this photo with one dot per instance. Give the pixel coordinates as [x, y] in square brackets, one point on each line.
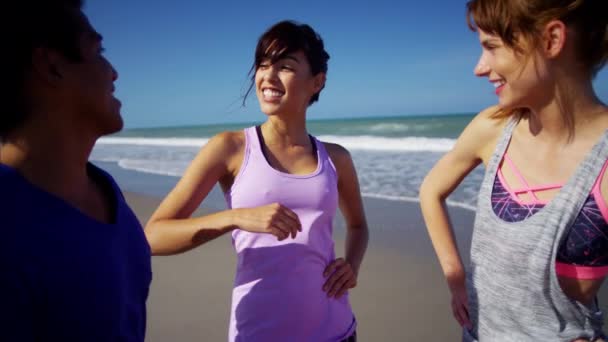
[271, 93]
[498, 83]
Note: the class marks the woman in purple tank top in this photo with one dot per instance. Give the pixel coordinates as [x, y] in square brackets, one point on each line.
[539, 251]
[282, 187]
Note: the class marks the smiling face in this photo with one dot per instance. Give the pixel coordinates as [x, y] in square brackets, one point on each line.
[287, 85]
[519, 79]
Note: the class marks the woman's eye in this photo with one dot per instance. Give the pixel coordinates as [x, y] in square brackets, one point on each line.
[490, 46]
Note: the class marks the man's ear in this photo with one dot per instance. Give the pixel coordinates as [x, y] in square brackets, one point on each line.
[319, 82]
[554, 38]
[48, 65]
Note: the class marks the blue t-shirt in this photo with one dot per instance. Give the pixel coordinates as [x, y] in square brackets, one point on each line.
[65, 276]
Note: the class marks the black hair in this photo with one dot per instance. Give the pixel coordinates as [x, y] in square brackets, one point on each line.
[54, 24]
[288, 37]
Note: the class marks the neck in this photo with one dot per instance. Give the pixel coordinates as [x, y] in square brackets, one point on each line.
[50, 157]
[572, 110]
[280, 131]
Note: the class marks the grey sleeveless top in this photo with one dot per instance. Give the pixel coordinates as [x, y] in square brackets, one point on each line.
[513, 290]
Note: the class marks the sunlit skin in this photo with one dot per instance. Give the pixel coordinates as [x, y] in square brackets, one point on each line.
[522, 79]
[288, 84]
[519, 80]
[543, 147]
[284, 90]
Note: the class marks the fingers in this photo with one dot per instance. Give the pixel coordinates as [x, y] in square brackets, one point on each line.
[291, 217]
[456, 312]
[342, 278]
[285, 220]
[460, 312]
[333, 266]
[349, 284]
[273, 219]
[284, 228]
[279, 233]
[465, 313]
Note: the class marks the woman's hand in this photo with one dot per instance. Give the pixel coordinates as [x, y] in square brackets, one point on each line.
[341, 278]
[460, 304]
[274, 219]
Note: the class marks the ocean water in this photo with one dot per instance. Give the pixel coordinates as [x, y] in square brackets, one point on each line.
[392, 155]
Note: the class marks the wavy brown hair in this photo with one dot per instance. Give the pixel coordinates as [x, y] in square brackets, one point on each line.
[519, 24]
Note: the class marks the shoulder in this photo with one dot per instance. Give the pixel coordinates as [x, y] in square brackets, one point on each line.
[480, 136]
[99, 172]
[7, 174]
[223, 147]
[20, 211]
[229, 141]
[223, 151]
[340, 158]
[14, 189]
[487, 124]
[106, 182]
[337, 153]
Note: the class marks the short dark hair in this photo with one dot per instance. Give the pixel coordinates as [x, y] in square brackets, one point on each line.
[288, 37]
[29, 25]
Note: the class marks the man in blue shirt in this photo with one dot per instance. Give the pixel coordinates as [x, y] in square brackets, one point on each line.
[74, 261]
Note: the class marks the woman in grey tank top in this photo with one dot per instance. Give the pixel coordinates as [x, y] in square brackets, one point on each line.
[549, 125]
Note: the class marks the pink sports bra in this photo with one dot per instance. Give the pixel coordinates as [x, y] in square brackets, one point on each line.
[583, 252]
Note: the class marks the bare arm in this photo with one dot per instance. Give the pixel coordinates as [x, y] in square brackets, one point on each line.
[357, 234]
[170, 230]
[474, 146]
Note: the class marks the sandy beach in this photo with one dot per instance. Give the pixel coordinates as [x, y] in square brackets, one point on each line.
[401, 294]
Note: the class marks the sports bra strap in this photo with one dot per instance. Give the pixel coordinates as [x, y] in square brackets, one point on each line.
[527, 188]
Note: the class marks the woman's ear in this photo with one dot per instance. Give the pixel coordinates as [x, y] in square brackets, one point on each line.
[554, 38]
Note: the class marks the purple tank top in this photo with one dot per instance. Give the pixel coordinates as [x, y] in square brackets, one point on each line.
[277, 294]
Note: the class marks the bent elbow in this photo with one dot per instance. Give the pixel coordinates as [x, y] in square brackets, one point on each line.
[425, 188]
[429, 191]
[152, 238]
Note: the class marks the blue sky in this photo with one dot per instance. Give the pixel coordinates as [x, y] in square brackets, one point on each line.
[185, 62]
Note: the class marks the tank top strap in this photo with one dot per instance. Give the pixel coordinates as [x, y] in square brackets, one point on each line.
[580, 185]
[253, 142]
[501, 147]
[324, 158]
[323, 155]
[255, 152]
